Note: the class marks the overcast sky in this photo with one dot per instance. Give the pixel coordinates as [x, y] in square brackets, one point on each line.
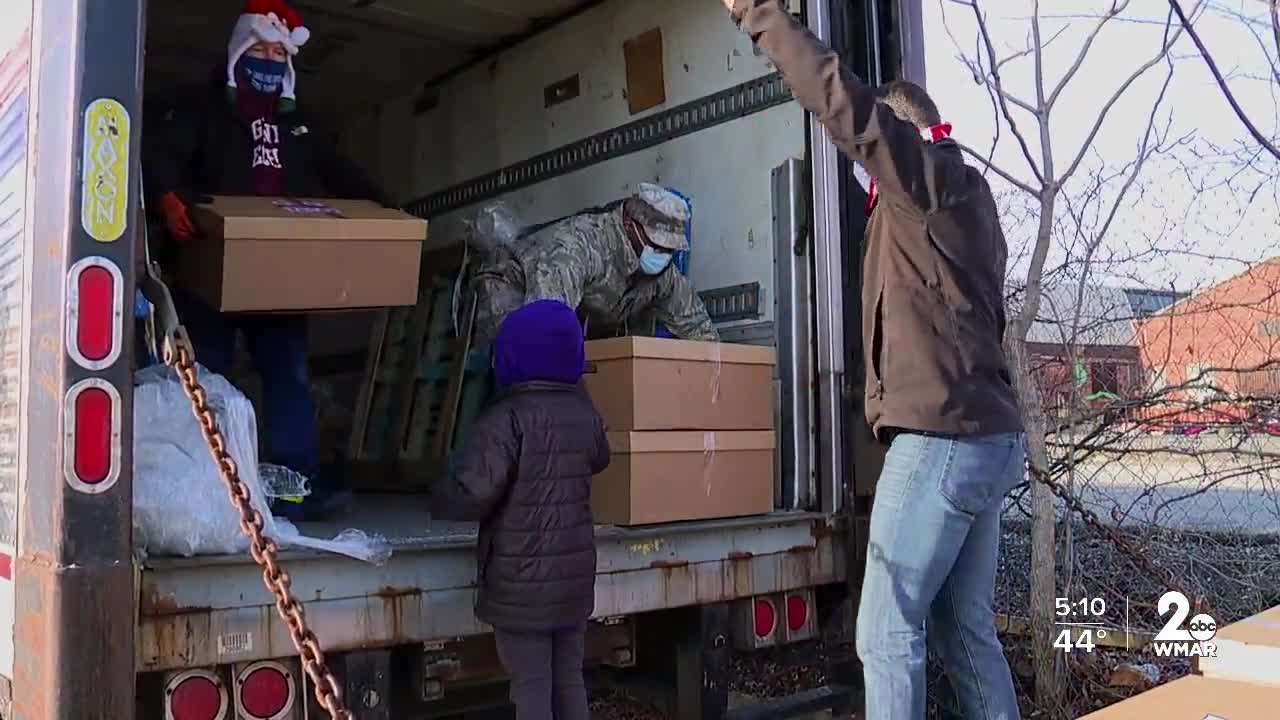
[1216, 225]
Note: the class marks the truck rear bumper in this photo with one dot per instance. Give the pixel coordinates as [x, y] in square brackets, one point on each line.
[201, 612]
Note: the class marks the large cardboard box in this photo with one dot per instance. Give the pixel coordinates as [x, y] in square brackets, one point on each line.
[1197, 698]
[659, 477]
[644, 383]
[261, 254]
[1248, 651]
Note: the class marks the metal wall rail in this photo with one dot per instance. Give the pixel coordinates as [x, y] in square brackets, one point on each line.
[736, 102]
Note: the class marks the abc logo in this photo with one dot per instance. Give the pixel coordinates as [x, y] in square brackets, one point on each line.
[1202, 627]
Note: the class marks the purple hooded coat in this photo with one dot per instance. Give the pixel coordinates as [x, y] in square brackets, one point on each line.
[525, 475]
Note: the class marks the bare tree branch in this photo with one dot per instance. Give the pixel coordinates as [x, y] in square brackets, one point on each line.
[988, 164]
[1275, 27]
[1166, 42]
[1256, 27]
[1046, 140]
[1116, 9]
[1143, 152]
[1222, 82]
[999, 83]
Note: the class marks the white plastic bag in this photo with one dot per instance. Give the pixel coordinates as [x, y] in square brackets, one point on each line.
[180, 504]
[494, 225]
[353, 543]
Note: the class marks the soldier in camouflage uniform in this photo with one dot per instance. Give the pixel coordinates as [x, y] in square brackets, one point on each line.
[614, 263]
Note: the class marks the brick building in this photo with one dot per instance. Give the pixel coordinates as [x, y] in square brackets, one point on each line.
[1215, 356]
[1083, 346]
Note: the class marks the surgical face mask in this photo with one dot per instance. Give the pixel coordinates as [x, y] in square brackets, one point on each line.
[264, 75]
[653, 262]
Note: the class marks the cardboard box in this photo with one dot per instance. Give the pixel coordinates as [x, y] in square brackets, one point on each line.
[1196, 698]
[644, 383]
[1248, 651]
[261, 254]
[659, 477]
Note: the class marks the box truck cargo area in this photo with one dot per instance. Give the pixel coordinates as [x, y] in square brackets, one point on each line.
[615, 94]
[550, 107]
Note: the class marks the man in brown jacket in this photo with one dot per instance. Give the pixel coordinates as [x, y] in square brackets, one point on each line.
[938, 389]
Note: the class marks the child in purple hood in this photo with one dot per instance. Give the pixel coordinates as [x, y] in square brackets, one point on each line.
[525, 475]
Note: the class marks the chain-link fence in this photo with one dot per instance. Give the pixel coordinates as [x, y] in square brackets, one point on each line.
[1199, 511]
[1162, 411]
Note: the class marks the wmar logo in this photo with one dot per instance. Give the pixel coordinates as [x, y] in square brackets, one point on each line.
[1177, 640]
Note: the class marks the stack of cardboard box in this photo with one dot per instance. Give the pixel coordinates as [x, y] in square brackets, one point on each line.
[691, 428]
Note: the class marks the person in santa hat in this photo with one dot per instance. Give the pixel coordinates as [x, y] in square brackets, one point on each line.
[245, 135]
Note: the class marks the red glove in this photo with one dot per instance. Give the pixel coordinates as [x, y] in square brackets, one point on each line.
[176, 217]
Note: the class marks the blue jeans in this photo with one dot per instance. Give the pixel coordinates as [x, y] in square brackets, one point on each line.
[278, 346]
[934, 537]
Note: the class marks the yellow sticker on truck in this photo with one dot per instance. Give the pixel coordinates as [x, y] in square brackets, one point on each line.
[104, 196]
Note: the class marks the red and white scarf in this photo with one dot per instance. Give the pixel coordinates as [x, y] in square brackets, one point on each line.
[931, 134]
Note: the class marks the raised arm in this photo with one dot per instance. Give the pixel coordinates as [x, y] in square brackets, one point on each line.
[867, 131]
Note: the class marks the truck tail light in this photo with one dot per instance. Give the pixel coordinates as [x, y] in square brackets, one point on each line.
[195, 695]
[91, 422]
[95, 313]
[264, 691]
[797, 613]
[766, 617]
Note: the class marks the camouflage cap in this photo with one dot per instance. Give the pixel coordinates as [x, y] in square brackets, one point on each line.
[663, 215]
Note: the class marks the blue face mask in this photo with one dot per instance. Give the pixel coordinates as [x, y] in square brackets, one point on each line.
[653, 262]
[264, 75]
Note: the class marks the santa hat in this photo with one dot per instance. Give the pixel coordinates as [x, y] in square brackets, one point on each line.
[270, 21]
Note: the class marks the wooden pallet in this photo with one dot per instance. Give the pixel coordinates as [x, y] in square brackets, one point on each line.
[423, 384]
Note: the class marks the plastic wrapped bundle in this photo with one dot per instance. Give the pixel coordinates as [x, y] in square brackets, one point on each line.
[495, 225]
[181, 505]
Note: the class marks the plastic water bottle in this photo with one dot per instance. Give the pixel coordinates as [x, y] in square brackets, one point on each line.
[281, 483]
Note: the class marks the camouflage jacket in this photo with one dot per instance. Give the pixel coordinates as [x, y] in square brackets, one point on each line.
[586, 260]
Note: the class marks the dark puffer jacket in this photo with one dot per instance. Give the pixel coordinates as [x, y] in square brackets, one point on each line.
[525, 474]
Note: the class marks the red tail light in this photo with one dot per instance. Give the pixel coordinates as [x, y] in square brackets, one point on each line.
[95, 313]
[797, 613]
[93, 435]
[91, 418]
[195, 695]
[766, 618]
[264, 691]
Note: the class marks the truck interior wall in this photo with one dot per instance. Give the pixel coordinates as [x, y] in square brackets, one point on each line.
[494, 114]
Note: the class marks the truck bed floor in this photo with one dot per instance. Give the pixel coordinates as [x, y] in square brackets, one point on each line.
[402, 519]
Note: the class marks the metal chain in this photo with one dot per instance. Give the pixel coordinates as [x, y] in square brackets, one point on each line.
[1157, 574]
[179, 356]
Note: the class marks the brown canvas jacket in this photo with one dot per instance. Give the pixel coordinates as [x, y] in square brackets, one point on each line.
[932, 294]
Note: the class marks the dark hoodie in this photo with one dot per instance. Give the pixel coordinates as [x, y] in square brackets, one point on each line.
[525, 475]
[203, 143]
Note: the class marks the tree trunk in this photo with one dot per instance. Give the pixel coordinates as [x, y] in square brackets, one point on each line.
[1043, 520]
